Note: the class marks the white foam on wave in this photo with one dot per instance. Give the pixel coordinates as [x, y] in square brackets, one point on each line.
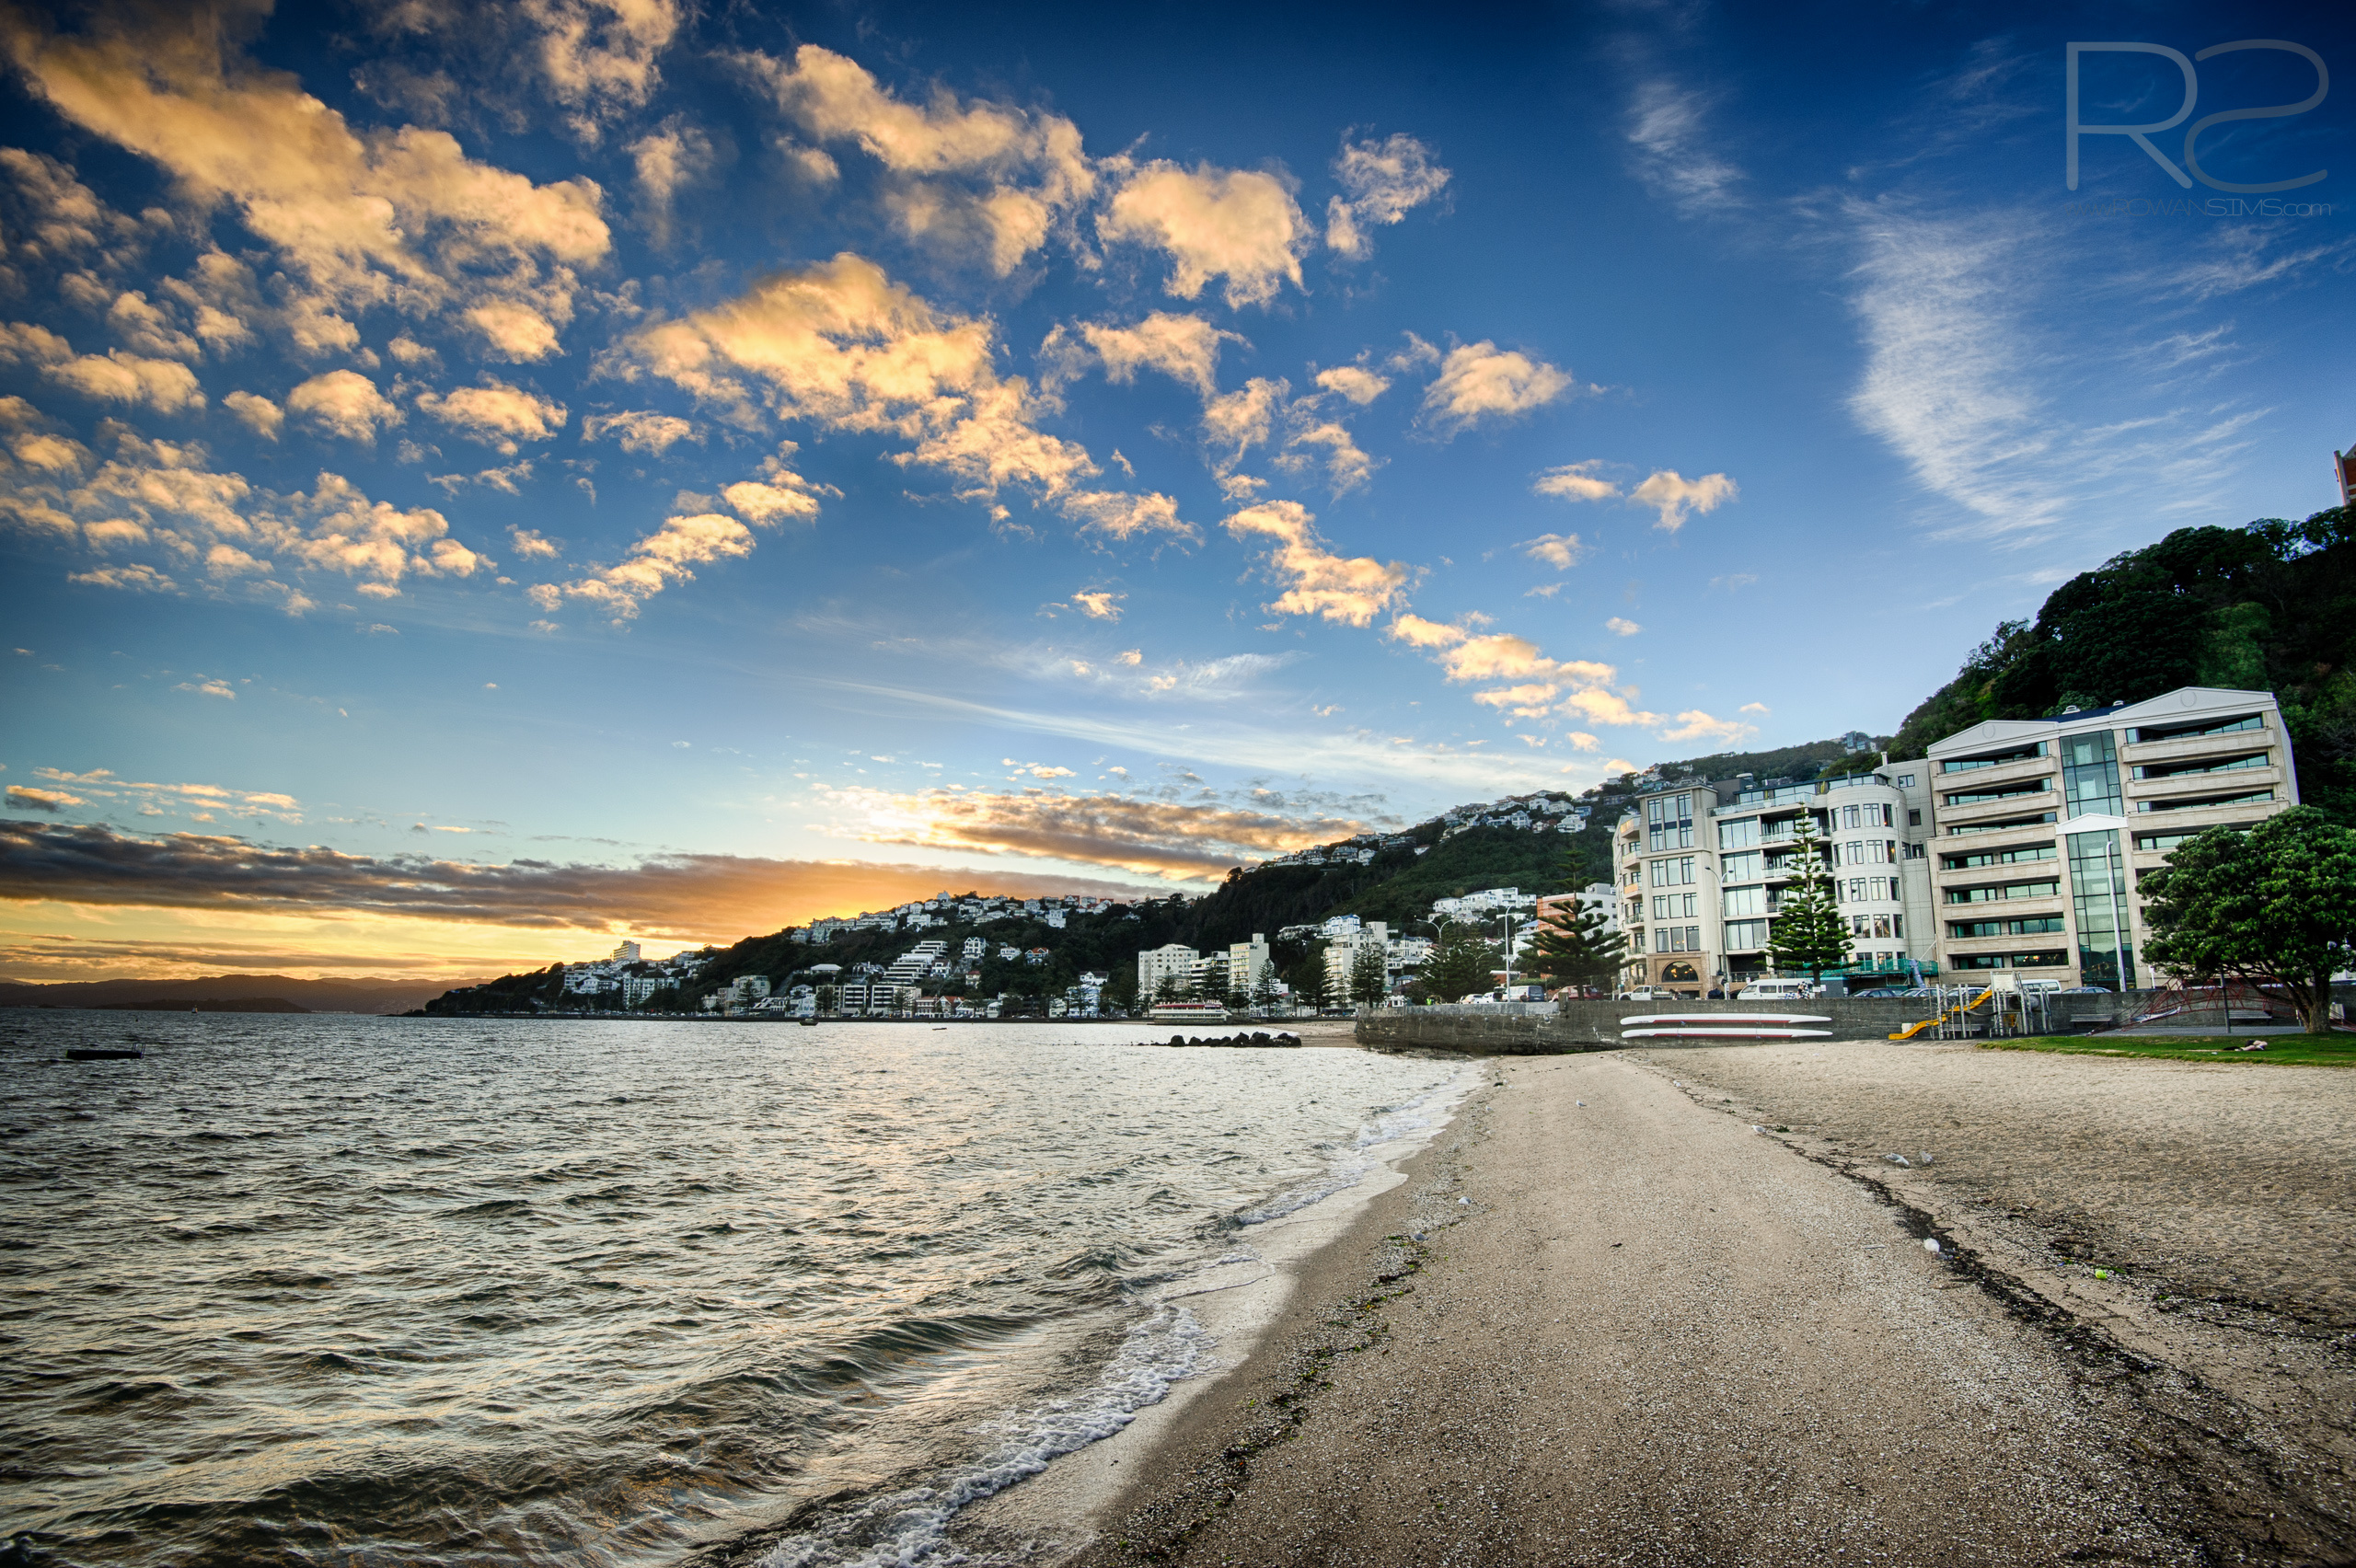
[910, 1527]
[1368, 1150]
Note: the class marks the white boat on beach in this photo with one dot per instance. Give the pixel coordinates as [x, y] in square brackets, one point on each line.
[1724, 1026]
[1188, 1013]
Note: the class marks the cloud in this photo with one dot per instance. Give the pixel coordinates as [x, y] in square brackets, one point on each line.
[396, 218]
[1668, 145]
[1561, 551]
[202, 687]
[689, 897]
[842, 346]
[640, 430]
[1735, 580]
[1346, 468]
[1674, 496]
[376, 540]
[52, 800]
[1123, 516]
[1418, 632]
[1242, 419]
[56, 213]
[1695, 725]
[1384, 179]
[1621, 627]
[344, 403]
[597, 56]
[115, 377]
[975, 178]
[668, 160]
[660, 559]
[1184, 348]
[1210, 223]
[1355, 382]
[1145, 836]
[1480, 381]
[257, 413]
[49, 454]
[136, 578]
[1351, 590]
[1100, 604]
[531, 545]
[1759, 707]
[1576, 481]
[496, 414]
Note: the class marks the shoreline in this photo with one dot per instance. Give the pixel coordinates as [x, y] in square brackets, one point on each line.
[1660, 1332]
[1251, 1308]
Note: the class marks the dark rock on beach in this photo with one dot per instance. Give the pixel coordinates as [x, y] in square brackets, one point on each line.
[1255, 1039]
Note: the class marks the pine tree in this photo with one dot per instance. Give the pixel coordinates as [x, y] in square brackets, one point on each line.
[1369, 977]
[1575, 946]
[1810, 932]
[1460, 965]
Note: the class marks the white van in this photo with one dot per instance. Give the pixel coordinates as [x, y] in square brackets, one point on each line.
[1777, 991]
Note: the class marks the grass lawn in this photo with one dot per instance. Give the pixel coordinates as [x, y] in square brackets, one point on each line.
[2293, 1050]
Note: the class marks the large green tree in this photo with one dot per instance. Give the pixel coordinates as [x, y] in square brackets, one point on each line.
[1370, 977]
[2276, 903]
[1460, 963]
[1575, 946]
[1810, 932]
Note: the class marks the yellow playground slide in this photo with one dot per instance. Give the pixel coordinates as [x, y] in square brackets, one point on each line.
[1912, 1029]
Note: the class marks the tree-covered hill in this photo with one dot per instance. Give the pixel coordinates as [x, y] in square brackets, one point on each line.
[2269, 606]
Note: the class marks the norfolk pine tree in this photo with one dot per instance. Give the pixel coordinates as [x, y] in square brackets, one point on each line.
[1460, 964]
[1575, 946]
[1370, 977]
[1810, 932]
[2276, 903]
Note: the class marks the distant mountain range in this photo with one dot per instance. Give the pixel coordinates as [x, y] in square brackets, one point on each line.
[230, 993]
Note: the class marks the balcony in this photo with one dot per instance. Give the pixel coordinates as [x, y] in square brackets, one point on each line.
[2238, 781]
[2003, 773]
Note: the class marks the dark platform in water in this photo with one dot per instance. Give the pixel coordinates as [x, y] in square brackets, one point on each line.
[102, 1054]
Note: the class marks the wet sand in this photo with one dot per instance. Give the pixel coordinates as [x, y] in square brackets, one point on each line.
[1638, 1330]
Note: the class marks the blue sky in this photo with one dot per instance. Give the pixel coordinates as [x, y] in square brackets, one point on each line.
[485, 478]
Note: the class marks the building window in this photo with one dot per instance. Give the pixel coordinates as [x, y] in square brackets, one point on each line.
[2007, 825]
[1741, 901]
[2008, 793]
[2254, 798]
[2149, 734]
[1740, 867]
[1906, 781]
[2160, 843]
[1746, 935]
[1987, 759]
[1913, 819]
[2206, 764]
[2003, 892]
[1998, 857]
[2090, 775]
[1738, 834]
[2030, 926]
[2053, 958]
[2099, 896]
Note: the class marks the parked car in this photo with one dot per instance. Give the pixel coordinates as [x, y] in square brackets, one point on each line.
[2084, 991]
[1777, 991]
[1882, 993]
[1645, 994]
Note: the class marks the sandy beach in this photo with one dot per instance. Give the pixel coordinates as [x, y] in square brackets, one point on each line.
[1675, 1307]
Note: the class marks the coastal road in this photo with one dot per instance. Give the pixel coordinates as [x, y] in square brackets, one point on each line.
[1639, 1333]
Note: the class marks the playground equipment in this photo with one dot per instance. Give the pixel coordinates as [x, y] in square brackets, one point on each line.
[2178, 1005]
[2001, 1009]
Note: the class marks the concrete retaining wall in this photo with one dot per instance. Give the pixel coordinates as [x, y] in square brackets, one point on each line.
[1595, 1026]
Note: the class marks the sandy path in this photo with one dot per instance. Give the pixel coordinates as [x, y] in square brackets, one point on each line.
[1650, 1336]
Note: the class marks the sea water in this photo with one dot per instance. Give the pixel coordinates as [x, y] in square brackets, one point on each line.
[353, 1290]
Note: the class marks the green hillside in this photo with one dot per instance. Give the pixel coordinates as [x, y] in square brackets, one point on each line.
[2269, 606]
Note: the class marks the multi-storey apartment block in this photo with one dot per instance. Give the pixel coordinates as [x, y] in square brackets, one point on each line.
[2047, 826]
[1701, 871]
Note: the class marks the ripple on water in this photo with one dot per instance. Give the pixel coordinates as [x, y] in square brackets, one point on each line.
[410, 1291]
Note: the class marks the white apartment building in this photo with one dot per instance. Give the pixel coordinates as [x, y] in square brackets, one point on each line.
[626, 953]
[1701, 870]
[1342, 956]
[1174, 962]
[2047, 826]
[1247, 961]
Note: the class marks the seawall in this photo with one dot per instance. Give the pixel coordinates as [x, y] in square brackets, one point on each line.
[1595, 1026]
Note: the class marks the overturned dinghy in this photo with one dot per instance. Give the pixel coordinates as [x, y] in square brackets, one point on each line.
[1724, 1026]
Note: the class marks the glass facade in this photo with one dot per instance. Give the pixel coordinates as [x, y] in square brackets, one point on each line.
[2099, 899]
[2090, 775]
[1669, 822]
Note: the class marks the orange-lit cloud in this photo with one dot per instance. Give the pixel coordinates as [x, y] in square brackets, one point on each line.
[1164, 838]
[187, 886]
[1351, 590]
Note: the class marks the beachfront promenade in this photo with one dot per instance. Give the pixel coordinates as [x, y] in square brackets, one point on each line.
[1675, 1307]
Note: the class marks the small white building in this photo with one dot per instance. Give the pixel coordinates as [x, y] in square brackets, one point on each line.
[1173, 961]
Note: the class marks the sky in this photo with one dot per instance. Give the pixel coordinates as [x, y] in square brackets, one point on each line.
[485, 479]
